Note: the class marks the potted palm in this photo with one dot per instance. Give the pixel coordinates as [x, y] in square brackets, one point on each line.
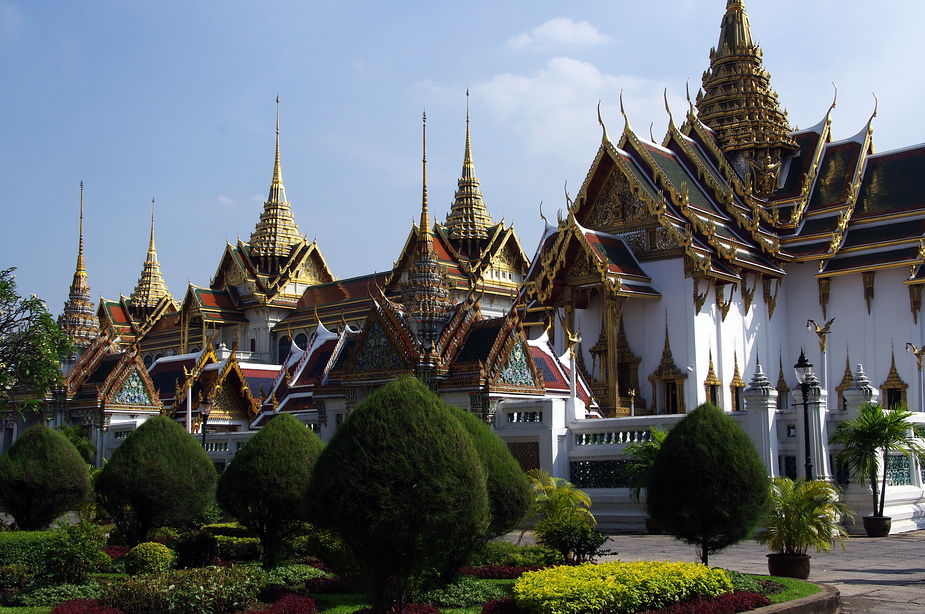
[801, 515]
[637, 472]
[867, 442]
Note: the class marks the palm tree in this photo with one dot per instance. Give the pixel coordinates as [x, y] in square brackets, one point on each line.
[553, 497]
[868, 441]
[644, 452]
[801, 515]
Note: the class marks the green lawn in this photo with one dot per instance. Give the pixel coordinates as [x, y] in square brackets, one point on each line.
[793, 589]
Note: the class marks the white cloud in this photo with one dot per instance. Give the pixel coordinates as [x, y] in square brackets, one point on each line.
[10, 17]
[555, 109]
[557, 32]
[224, 200]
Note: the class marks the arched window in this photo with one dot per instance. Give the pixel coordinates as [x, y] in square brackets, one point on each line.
[301, 340]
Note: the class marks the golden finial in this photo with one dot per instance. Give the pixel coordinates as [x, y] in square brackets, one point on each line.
[543, 217]
[835, 97]
[604, 138]
[876, 104]
[626, 127]
[668, 110]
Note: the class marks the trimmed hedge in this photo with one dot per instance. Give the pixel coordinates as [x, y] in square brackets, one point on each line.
[216, 590]
[148, 557]
[292, 575]
[29, 548]
[617, 587]
[229, 529]
[238, 548]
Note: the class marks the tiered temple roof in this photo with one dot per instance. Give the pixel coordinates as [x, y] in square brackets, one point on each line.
[78, 320]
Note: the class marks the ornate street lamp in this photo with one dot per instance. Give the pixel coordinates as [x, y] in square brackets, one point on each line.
[804, 371]
[205, 408]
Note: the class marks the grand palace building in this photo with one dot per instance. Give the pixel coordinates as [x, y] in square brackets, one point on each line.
[695, 269]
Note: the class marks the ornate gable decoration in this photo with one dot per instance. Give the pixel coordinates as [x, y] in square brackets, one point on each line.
[376, 352]
[517, 371]
[616, 206]
[133, 392]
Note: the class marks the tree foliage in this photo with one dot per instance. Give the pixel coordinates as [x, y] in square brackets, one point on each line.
[564, 519]
[31, 346]
[509, 491]
[41, 476]
[264, 485]
[708, 485]
[159, 476]
[870, 439]
[401, 484]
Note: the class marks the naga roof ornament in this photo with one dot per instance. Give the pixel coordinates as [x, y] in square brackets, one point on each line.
[277, 231]
[468, 218]
[738, 103]
[79, 321]
[151, 287]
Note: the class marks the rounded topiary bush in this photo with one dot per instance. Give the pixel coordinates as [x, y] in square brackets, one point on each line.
[708, 486]
[149, 557]
[159, 476]
[41, 477]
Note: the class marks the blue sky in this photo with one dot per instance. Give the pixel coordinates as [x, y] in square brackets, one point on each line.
[176, 101]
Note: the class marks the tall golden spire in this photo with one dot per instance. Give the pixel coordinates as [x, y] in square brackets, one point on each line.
[426, 290]
[151, 287]
[425, 217]
[738, 103]
[469, 219]
[79, 321]
[276, 232]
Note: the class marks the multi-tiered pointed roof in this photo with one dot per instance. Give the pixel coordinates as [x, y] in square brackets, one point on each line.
[469, 222]
[151, 288]
[78, 320]
[738, 103]
[426, 290]
[277, 232]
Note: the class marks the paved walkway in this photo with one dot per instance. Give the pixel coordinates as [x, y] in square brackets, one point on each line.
[874, 575]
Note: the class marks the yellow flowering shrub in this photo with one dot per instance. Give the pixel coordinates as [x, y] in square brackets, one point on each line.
[616, 587]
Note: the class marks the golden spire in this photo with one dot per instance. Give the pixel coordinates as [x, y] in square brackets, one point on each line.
[425, 217]
[469, 219]
[151, 287]
[738, 103]
[426, 291]
[276, 232]
[79, 321]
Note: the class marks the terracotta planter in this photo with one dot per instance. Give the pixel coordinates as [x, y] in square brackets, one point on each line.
[789, 565]
[877, 526]
[653, 526]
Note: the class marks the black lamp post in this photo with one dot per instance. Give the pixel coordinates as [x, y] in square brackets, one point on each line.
[205, 408]
[804, 371]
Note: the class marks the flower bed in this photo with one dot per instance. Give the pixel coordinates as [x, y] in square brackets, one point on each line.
[617, 587]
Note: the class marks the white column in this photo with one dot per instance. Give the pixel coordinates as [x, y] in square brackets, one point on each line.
[760, 413]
